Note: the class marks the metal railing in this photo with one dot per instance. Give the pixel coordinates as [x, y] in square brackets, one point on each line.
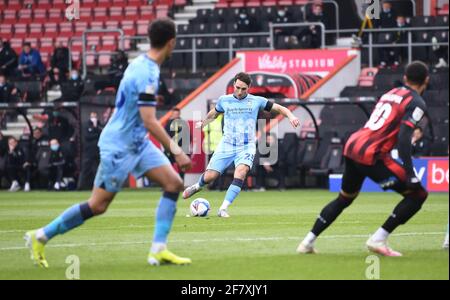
[230, 49]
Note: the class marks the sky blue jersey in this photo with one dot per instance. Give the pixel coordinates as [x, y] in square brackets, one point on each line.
[125, 130]
[240, 117]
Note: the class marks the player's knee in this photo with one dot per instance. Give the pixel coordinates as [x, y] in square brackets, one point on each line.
[346, 199]
[98, 208]
[174, 185]
[419, 196]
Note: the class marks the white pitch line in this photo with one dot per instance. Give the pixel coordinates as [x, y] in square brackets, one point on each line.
[222, 240]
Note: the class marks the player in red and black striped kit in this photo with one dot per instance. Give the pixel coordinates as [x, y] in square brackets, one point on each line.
[367, 154]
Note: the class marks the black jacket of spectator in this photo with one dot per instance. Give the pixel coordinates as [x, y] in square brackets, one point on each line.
[16, 158]
[387, 20]
[6, 93]
[8, 59]
[60, 59]
[118, 66]
[57, 159]
[91, 137]
[421, 148]
[36, 146]
[72, 90]
[3, 145]
[59, 128]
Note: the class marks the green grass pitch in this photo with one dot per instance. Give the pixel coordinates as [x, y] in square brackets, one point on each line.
[258, 242]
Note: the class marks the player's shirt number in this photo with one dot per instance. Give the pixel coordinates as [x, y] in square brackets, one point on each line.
[379, 116]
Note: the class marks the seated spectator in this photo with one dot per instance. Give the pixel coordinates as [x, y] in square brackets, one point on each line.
[15, 165]
[8, 92]
[8, 59]
[421, 145]
[56, 166]
[119, 64]
[32, 154]
[269, 169]
[73, 88]
[59, 64]
[30, 62]
[283, 17]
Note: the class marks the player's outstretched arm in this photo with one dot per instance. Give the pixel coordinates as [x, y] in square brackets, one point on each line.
[210, 117]
[148, 115]
[295, 122]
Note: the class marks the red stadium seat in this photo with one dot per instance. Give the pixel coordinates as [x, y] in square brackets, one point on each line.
[36, 30]
[44, 4]
[103, 3]
[112, 24]
[63, 40]
[120, 3]
[146, 11]
[6, 31]
[54, 15]
[89, 3]
[96, 25]
[14, 4]
[131, 13]
[59, 4]
[20, 31]
[86, 14]
[51, 30]
[25, 15]
[253, 3]
[90, 60]
[47, 42]
[66, 29]
[104, 60]
[9, 17]
[16, 44]
[40, 15]
[116, 13]
[101, 14]
[142, 27]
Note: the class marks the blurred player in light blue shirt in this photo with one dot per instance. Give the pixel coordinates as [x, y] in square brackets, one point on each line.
[125, 148]
[238, 144]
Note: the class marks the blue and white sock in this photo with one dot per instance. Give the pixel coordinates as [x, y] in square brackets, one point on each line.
[165, 214]
[68, 220]
[233, 191]
[201, 182]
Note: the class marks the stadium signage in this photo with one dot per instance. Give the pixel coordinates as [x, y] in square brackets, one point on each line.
[432, 171]
[293, 61]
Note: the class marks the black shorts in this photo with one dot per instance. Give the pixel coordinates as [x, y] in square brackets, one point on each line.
[388, 173]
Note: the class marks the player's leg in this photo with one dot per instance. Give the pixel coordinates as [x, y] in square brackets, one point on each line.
[71, 218]
[234, 190]
[172, 185]
[391, 175]
[243, 161]
[352, 181]
[157, 168]
[219, 162]
[111, 174]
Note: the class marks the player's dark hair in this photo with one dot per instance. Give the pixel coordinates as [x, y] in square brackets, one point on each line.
[160, 32]
[176, 109]
[416, 73]
[244, 77]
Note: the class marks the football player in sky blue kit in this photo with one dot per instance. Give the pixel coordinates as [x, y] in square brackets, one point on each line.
[125, 148]
[238, 144]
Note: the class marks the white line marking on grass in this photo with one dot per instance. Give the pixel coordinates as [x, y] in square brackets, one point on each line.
[222, 240]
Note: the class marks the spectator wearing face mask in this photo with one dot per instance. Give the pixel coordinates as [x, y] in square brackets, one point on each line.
[73, 88]
[247, 23]
[388, 17]
[56, 166]
[91, 152]
[283, 17]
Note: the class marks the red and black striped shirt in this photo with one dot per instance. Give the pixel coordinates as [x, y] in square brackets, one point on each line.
[380, 134]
